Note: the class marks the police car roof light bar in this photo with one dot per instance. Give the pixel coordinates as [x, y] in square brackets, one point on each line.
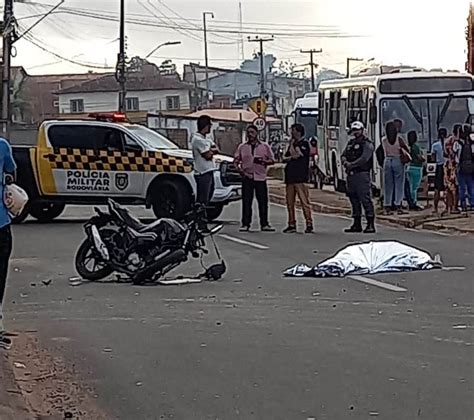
[108, 116]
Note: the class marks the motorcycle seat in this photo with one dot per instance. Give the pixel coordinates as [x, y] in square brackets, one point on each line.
[143, 236]
[131, 221]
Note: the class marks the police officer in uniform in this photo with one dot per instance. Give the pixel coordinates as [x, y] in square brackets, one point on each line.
[358, 161]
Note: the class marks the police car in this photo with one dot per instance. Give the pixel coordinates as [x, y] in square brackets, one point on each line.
[88, 161]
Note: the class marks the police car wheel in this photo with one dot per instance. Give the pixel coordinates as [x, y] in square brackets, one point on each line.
[45, 212]
[21, 217]
[214, 211]
[170, 199]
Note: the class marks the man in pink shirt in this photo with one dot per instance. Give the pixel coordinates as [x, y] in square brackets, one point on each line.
[252, 159]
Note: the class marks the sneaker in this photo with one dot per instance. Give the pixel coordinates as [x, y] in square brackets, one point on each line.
[309, 229]
[290, 229]
[244, 229]
[268, 228]
[5, 342]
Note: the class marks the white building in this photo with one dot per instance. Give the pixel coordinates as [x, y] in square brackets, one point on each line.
[147, 91]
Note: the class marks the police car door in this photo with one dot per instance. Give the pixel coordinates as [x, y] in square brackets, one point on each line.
[120, 157]
[68, 163]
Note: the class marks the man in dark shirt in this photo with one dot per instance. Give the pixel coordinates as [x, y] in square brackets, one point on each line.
[296, 178]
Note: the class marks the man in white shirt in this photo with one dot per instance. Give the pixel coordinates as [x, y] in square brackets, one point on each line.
[204, 150]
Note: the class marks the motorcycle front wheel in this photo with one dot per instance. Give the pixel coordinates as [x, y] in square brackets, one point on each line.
[89, 265]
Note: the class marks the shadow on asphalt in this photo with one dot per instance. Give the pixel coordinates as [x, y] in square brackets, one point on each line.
[146, 220]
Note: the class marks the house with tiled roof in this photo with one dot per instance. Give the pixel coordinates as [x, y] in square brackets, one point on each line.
[147, 91]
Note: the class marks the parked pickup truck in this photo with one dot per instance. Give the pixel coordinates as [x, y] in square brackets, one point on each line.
[88, 161]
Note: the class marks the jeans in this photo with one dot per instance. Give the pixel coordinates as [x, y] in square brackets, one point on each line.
[300, 190]
[394, 181]
[359, 191]
[414, 176]
[251, 188]
[205, 188]
[5, 252]
[466, 186]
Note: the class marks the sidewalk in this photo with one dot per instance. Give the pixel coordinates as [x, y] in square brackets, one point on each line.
[330, 202]
[12, 404]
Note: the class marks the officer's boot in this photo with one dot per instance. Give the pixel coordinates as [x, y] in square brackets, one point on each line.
[370, 228]
[356, 226]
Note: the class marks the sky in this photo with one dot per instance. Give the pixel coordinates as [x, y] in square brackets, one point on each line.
[424, 33]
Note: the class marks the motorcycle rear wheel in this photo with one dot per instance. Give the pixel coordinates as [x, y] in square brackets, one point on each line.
[84, 257]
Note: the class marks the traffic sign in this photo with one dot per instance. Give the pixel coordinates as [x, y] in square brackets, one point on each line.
[260, 123]
[259, 106]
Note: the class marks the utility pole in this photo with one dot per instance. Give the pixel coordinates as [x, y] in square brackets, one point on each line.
[262, 65]
[312, 64]
[242, 54]
[348, 65]
[206, 58]
[8, 34]
[121, 70]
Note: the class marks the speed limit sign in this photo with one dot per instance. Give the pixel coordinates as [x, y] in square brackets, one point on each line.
[260, 123]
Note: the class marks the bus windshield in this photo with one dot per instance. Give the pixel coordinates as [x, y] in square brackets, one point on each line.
[309, 119]
[425, 115]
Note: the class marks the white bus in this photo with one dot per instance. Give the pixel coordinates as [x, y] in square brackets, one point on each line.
[423, 101]
[305, 113]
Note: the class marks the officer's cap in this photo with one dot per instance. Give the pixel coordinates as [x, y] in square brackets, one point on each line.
[357, 125]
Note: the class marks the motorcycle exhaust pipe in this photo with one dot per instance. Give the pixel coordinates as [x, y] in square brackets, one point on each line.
[174, 257]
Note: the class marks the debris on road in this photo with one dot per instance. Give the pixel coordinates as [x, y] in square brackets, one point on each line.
[369, 258]
[75, 281]
[19, 365]
[47, 282]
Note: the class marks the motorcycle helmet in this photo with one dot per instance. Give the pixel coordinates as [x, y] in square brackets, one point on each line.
[15, 199]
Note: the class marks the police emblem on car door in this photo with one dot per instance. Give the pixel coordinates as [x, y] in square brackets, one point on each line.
[121, 181]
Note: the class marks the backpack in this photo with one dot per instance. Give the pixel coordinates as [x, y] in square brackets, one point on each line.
[466, 160]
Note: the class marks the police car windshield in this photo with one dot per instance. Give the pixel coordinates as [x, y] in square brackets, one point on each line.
[151, 138]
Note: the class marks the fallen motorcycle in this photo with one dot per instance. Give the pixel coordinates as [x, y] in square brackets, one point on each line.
[116, 241]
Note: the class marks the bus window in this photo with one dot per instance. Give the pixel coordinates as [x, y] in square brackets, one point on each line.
[334, 108]
[357, 109]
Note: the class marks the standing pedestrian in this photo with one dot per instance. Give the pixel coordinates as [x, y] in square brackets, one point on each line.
[393, 168]
[465, 153]
[7, 171]
[252, 158]
[438, 155]
[414, 169]
[451, 147]
[297, 177]
[358, 160]
[204, 150]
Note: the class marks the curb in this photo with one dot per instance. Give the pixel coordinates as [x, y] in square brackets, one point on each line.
[406, 223]
[317, 207]
[12, 404]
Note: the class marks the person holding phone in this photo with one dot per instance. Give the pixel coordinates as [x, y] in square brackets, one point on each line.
[296, 178]
[252, 159]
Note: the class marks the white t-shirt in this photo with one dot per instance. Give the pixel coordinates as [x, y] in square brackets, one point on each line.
[200, 144]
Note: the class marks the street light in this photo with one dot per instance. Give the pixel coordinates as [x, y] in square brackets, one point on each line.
[162, 45]
[204, 14]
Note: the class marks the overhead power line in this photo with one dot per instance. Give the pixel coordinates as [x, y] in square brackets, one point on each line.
[297, 32]
[32, 41]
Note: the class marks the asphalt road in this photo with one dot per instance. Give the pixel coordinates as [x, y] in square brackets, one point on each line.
[256, 345]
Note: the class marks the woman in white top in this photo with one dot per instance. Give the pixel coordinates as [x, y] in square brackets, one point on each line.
[393, 168]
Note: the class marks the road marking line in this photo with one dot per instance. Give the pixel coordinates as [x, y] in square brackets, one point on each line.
[453, 268]
[243, 242]
[377, 283]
